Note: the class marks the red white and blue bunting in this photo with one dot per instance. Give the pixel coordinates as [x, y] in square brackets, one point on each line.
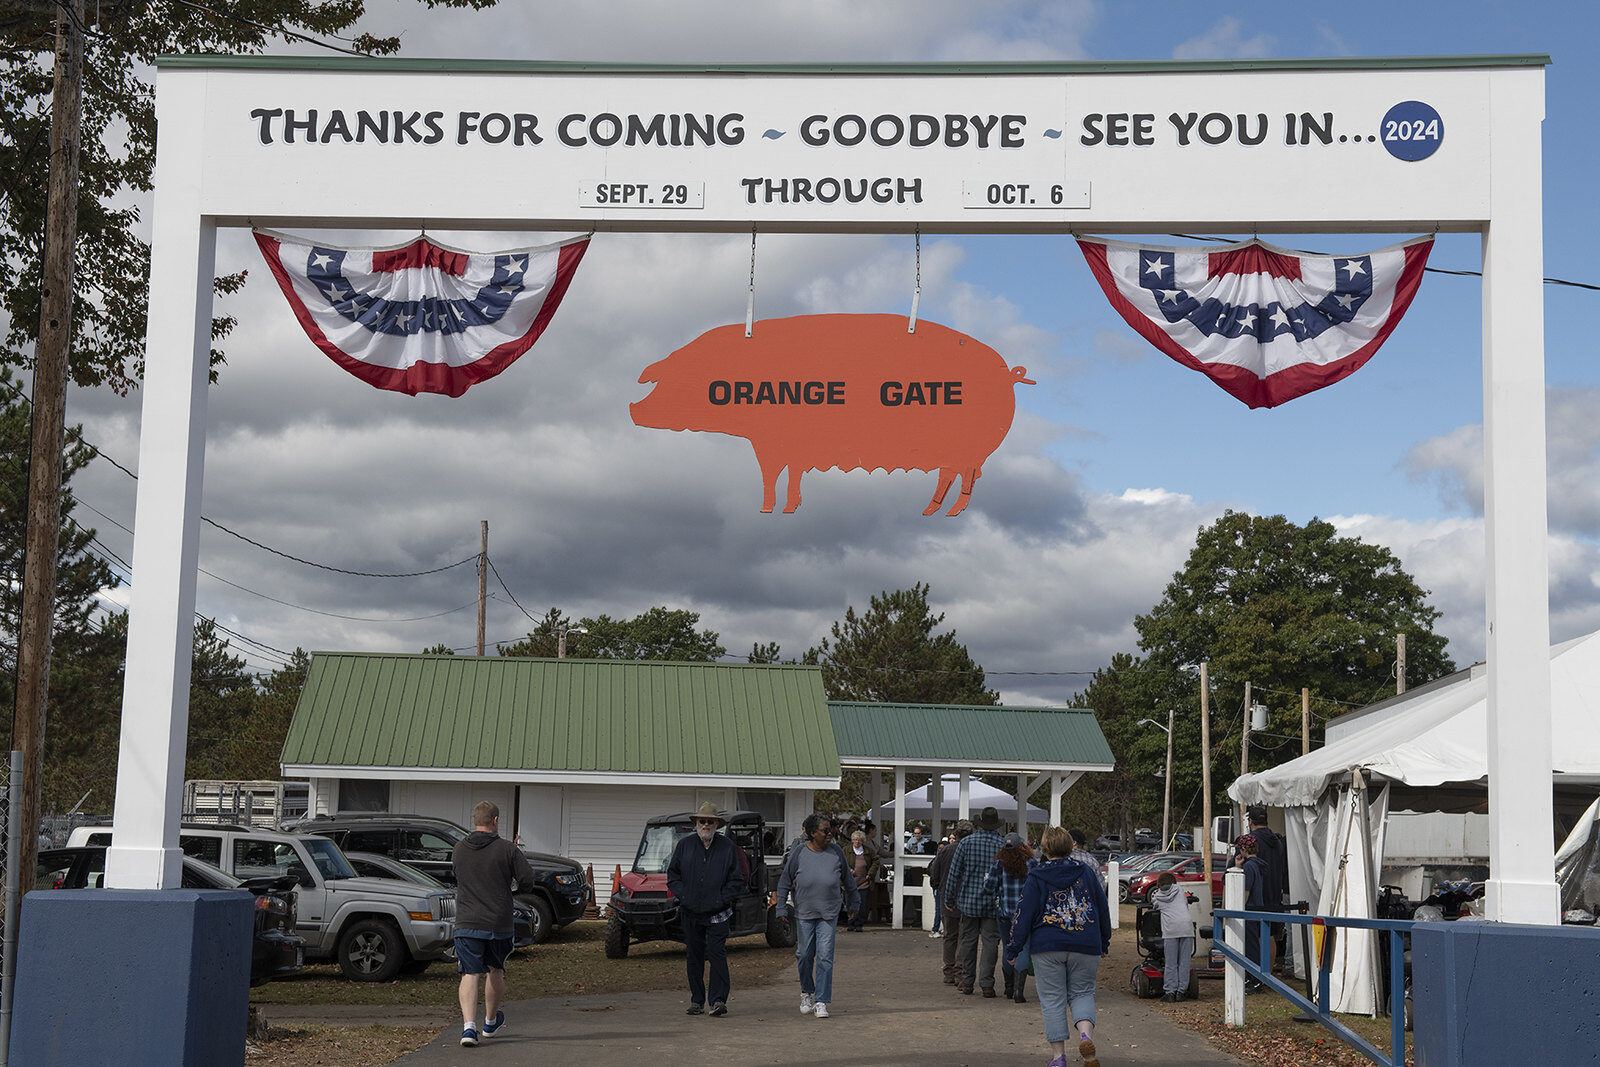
[421, 317]
[1266, 324]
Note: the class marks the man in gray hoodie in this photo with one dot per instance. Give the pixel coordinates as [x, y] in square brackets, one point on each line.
[486, 864]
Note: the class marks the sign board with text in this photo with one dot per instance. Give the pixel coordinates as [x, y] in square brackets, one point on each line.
[705, 150]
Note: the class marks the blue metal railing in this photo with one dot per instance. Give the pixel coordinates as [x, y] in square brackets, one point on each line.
[1261, 971]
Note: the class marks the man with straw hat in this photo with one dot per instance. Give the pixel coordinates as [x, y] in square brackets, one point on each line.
[705, 876]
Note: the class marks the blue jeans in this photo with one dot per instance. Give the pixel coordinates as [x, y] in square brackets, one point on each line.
[814, 954]
[938, 909]
[1064, 982]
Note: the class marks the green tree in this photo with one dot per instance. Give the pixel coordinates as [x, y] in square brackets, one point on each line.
[117, 156]
[221, 698]
[659, 633]
[81, 711]
[544, 639]
[1283, 607]
[440, 649]
[763, 653]
[891, 654]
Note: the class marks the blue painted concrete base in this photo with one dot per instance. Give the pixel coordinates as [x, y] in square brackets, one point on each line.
[1498, 993]
[132, 976]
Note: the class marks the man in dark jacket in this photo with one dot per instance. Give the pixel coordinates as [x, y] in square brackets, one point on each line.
[1274, 855]
[485, 866]
[949, 914]
[705, 877]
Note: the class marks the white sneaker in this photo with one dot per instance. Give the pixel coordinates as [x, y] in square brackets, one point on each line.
[821, 1011]
[934, 933]
[806, 1003]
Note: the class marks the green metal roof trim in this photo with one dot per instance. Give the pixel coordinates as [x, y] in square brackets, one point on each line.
[968, 734]
[396, 65]
[626, 716]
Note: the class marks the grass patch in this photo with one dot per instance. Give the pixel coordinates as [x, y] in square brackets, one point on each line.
[572, 963]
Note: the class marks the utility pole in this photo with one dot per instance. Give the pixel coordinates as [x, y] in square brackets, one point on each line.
[1244, 755]
[1305, 721]
[1205, 771]
[483, 582]
[1400, 664]
[49, 410]
[1166, 803]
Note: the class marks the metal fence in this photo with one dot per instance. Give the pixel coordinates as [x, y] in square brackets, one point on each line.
[10, 847]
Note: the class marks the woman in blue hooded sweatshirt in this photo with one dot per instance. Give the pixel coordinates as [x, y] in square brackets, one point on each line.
[1064, 920]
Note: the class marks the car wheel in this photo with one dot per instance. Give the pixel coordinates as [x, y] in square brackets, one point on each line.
[371, 951]
[1122, 892]
[616, 937]
[544, 920]
[779, 933]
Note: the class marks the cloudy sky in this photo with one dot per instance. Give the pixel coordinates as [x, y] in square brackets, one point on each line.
[1114, 461]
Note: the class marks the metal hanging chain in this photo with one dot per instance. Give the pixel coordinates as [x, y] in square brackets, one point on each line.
[916, 294]
[750, 304]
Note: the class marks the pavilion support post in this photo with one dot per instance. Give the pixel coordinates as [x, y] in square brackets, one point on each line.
[964, 805]
[1022, 805]
[897, 842]
[936, 801]
[1056, 789]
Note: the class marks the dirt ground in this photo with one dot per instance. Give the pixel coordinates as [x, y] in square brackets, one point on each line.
[1270, 1037]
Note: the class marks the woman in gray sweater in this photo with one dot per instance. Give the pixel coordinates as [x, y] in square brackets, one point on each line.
[818, 878]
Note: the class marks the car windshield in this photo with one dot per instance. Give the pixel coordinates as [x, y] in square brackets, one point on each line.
[1163, 863]
[655, 850]
[404, 872]
[330, 861]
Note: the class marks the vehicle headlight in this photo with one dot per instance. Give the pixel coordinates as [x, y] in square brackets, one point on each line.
[570, 878]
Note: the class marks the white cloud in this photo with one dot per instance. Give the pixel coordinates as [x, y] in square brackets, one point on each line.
[1225, 40]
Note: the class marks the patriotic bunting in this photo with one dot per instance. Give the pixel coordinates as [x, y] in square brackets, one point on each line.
[1266, 324]
[421, 317]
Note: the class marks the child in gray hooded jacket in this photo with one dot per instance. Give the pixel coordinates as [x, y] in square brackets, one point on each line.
[1177, 935]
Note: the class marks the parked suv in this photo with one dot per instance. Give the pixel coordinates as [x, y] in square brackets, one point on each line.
[559, 895]
[375, 928]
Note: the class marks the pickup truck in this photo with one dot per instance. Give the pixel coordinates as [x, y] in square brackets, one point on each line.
[375, 928]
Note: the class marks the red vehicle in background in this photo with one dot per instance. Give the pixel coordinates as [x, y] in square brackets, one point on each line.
[1190, 870]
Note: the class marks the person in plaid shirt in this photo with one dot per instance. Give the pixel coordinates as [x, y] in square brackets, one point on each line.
[964, 882]
[1005, 880]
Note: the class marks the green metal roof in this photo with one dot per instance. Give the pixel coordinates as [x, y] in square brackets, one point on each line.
[967, 735]
[512, 713]
[1153, 66]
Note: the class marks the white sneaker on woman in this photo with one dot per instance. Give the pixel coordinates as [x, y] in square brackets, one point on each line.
[806, 1003]
[821, 1010]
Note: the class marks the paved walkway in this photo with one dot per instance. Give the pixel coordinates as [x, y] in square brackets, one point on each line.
[890, 1007]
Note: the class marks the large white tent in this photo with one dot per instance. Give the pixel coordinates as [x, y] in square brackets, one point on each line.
[918, 806]
[1437, 739]
[1442, 737]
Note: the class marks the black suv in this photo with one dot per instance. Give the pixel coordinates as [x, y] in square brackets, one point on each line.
[559, 896]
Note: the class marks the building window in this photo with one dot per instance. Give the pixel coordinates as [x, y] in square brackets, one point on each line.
[363, 794]
[769, 802]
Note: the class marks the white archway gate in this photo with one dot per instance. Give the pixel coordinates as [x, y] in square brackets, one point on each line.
[1293, 146]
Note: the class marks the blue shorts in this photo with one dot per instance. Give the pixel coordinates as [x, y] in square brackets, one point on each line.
[477, 951]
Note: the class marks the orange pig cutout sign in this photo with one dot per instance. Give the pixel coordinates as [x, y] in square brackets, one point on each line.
[848, 391]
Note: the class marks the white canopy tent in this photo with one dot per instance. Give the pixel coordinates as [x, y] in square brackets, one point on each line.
[919, 806]
[1439, 738]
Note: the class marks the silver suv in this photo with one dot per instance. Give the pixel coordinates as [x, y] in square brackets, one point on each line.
[375, 928]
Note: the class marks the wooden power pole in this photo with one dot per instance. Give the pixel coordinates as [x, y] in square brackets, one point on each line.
[483, 582]
[49, 422]
[1399, 663]
[1305, 721]
[1244, 756]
